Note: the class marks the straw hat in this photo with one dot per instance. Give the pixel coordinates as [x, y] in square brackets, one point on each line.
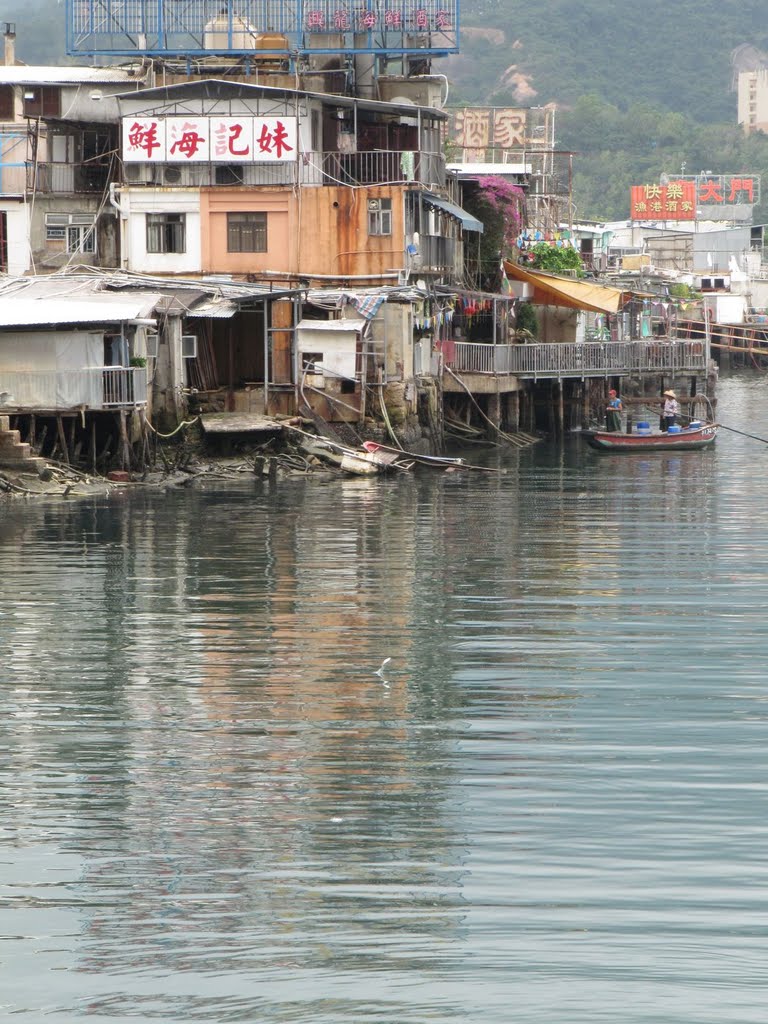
[670, 394]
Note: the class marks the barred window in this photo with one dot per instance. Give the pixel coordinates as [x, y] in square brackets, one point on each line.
[166, 232]
[246, 232]
[78, 230]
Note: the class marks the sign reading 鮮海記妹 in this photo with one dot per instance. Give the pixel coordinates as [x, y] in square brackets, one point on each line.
[209, 139]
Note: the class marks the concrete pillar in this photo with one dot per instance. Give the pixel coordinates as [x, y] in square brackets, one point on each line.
[494, 413]
[9, 48]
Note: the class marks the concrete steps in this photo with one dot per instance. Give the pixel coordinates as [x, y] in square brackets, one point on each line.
[15, 453]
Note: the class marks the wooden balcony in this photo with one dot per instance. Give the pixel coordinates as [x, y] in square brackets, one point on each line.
[589, 359]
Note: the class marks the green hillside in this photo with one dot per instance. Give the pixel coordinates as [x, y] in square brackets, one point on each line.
[641, 89]
[675, 55]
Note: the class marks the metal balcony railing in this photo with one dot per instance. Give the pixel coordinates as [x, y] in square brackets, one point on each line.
[13, 179]
[382, 167]
[67, 178]
[576, 360]
[95, 388]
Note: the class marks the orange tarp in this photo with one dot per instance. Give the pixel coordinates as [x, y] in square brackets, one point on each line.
[552, 290]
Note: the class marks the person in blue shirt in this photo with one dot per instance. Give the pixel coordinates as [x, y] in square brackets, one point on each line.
[613, 412]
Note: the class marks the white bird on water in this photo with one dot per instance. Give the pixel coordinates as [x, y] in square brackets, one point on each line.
[380, 671]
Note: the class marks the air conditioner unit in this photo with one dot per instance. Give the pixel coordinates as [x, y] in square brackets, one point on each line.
[132, 172]
[189, 346]
[374, 205]
[173, 175]
[152, 345]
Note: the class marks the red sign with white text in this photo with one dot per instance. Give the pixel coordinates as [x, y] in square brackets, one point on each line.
[674, 201]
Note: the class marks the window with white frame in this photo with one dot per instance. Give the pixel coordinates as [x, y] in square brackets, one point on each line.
[76, 230]
[166, 232]
[379, 216]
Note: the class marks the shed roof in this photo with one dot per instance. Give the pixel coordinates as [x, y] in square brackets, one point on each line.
[24, 310]
[41, 74]
[217, 88]
[331, 325]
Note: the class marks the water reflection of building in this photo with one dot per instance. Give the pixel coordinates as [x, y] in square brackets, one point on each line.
[258, 778]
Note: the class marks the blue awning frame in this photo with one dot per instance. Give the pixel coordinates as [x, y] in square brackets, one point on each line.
[468, 221]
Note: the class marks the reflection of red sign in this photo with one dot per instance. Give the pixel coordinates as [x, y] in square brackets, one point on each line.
[674, 201]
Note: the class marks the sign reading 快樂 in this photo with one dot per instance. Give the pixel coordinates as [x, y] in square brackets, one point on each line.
[209, 139]
[684, 198]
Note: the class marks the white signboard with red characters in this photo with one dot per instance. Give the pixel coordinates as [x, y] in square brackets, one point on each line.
[223, 140]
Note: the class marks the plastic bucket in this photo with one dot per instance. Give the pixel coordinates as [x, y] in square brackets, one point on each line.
[695, 425]
[643, 428]
[674, 429]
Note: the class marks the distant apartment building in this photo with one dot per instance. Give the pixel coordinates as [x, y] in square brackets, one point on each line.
[752, 93]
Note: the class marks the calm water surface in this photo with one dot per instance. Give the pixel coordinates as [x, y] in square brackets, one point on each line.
[550, 806]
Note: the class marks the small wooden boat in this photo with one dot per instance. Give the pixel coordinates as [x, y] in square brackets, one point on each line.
[438, 461]
[700, 435]
[368, 463]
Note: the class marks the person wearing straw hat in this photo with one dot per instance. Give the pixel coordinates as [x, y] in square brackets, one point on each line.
[671, 410]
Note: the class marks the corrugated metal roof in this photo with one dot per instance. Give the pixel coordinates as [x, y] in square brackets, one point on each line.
[27, 312]
[216, 308]
[21, 74]
[218, 87]
[330, 325]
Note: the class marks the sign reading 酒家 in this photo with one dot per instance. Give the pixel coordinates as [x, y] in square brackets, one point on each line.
[478, 130]
[209, 139]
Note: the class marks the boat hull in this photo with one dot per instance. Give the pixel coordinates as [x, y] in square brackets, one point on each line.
[686, 440]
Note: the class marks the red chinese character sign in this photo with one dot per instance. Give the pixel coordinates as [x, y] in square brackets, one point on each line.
[727, 189]
[187, 140]
[290, 28]
[143, 139]
[675, 200]
[209, 139]
[706, 196]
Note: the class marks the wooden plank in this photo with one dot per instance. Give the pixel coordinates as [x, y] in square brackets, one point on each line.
[239, 423]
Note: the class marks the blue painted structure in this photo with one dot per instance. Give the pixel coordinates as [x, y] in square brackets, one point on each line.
[261, 28]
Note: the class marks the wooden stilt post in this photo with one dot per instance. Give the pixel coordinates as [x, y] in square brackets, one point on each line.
[62, 438]
[92, 448]
[125, 447]
[32, 425]
[560, 410]
[71, 445]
